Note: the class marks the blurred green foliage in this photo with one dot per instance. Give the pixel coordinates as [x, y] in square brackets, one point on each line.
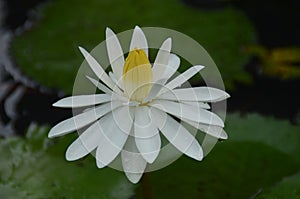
[288, 187]
[261, 158]
[35, 168]
[48, 51]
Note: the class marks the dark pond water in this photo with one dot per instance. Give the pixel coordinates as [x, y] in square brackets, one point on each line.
[23, 101]
[18, 12]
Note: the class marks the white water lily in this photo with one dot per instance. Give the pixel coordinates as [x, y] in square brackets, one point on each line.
[139, 102]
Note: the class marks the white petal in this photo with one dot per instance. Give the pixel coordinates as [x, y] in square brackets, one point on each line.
[173, 65]
[98, 70]
[149, 147]
[139, 40]
[146, 134]
[114, 78]
[197, 104]
[123, 118]
[182, 78]
[208, 144]
[143, 123]
[224, 135]
[161, 60]
[103, 88]
[86, 143]
[133, 163]
[115, 53]
[203, 94]
[100, 86]
[178, 135]
[155, 89]
[188, 112]
[214, 131]
[82, 100]
[134, 177]
[113, 140]
[157, 86]
[80, 120]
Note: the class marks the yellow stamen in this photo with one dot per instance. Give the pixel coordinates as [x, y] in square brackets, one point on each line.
[137, 75]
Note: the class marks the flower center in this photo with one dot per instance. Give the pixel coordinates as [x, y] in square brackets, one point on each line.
[137, 75]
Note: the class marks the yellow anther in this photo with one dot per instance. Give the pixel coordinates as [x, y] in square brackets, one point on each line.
[137, 75]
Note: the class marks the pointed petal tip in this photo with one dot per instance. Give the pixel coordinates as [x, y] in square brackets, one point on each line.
[52, 133]
[219, 123]
[136, 27]
[197, 155]
[54, 104]
[83, 51]
[57, 130]
[68, 158]
[80, 48]
[224, 135]
[69, 155]
[195, 152]
[109, 32]
[199, 67]
[100, 165]
[138, 30]
[151, 157]
[134, 177]
[169, 40]
[57, 104]
[167, 45]
[89, 78]
[108, 29]
[139, 40]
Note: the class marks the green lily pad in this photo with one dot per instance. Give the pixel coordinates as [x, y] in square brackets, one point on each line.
[254, 159]
[279, 134]
[289, 187]
[35, 168]
[260, 159]
[48, 51]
